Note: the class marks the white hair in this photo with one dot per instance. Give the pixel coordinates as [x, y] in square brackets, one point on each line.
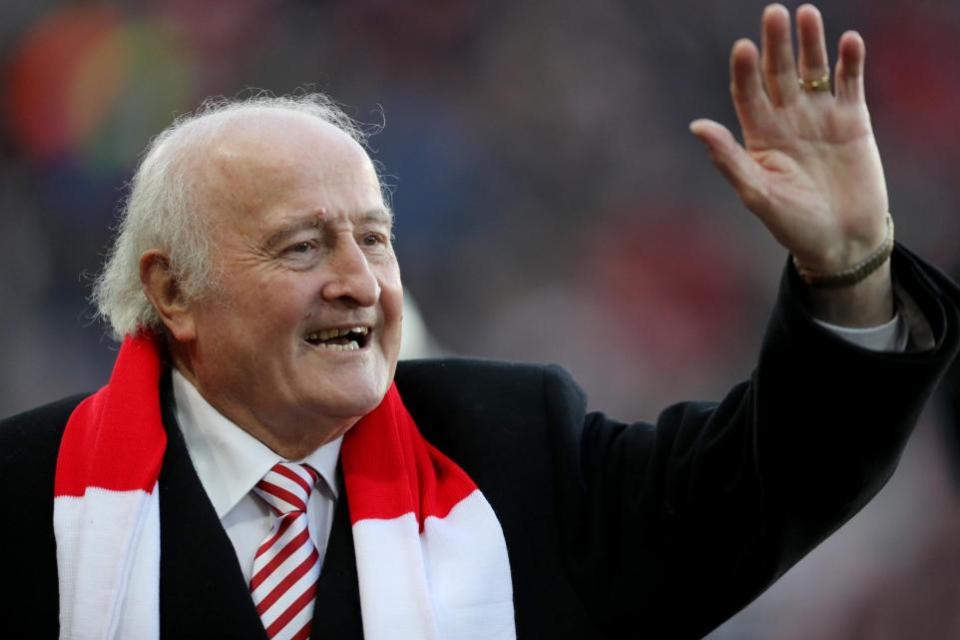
[162, 210]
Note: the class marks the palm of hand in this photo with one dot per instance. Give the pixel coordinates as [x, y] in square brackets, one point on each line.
[810, 170]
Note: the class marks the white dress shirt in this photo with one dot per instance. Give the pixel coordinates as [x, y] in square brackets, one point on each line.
[230, 462]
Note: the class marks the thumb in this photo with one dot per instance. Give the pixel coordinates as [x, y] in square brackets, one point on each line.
[733, 161]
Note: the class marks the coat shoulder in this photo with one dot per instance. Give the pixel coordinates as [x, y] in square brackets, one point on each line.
[512, 413]
[29, 445]
[464, 379]
[32, 438]
[427, 368]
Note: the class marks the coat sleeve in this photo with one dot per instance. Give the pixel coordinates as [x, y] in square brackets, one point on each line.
[673, 527]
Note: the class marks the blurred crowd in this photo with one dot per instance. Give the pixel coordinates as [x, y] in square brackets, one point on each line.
[550, 203]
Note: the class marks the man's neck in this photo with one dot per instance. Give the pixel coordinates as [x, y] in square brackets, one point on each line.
[293, 443]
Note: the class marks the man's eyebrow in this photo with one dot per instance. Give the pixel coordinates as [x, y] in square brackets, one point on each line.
[291, 227]
[284, 230]
[380, 214]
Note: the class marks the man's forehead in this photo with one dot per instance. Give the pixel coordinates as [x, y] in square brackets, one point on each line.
[291, 138]
[258, 158]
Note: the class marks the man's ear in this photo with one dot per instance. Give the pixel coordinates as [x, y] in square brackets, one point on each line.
[164, 292]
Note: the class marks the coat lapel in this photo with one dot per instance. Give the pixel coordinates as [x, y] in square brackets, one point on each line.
[202, 590]
[337, 611]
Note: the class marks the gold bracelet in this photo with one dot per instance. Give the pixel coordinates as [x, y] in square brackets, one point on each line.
[856, 273]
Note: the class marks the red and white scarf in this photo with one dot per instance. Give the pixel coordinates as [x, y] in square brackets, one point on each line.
[431, 558]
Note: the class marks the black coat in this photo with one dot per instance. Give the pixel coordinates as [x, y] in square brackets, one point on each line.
[613, 529]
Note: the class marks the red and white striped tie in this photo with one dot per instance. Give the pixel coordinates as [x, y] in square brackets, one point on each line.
[287, 565]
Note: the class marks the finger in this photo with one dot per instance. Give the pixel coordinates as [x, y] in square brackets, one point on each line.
[736, 165]
[779, 68]
[813, 67]
[848, 81]
[746, 87]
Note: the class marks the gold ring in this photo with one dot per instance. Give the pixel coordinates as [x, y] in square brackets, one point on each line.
[820, 84]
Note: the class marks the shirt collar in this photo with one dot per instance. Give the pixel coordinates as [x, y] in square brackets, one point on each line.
[228, 460]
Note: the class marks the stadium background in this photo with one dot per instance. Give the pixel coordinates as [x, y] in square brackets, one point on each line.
[551, 205]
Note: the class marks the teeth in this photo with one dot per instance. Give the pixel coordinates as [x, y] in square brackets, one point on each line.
[327, 334]
[350, 346]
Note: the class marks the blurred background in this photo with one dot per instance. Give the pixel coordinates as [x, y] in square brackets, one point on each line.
[551, 206]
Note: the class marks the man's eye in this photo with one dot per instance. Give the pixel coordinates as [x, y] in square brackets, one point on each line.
[373, 239]
[300, 247]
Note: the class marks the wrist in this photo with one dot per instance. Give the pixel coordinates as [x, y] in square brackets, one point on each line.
[868, 303]
[854, 267]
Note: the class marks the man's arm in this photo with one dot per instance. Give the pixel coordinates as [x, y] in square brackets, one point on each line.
[682, 523]
[809, 167]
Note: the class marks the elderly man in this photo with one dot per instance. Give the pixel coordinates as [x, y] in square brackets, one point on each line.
[259, 463]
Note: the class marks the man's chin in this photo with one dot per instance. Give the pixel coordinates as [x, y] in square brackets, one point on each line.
[351, 400]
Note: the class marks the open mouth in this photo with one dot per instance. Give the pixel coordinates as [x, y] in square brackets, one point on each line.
[348, 339]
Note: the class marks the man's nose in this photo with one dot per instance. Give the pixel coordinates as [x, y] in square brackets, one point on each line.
[350, 275]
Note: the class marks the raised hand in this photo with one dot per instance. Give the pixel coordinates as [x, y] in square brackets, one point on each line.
[809, 167]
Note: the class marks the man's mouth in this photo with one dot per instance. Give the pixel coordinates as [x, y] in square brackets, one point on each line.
[346, 339]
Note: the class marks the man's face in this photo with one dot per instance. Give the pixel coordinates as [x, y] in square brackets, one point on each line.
[304, 325]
